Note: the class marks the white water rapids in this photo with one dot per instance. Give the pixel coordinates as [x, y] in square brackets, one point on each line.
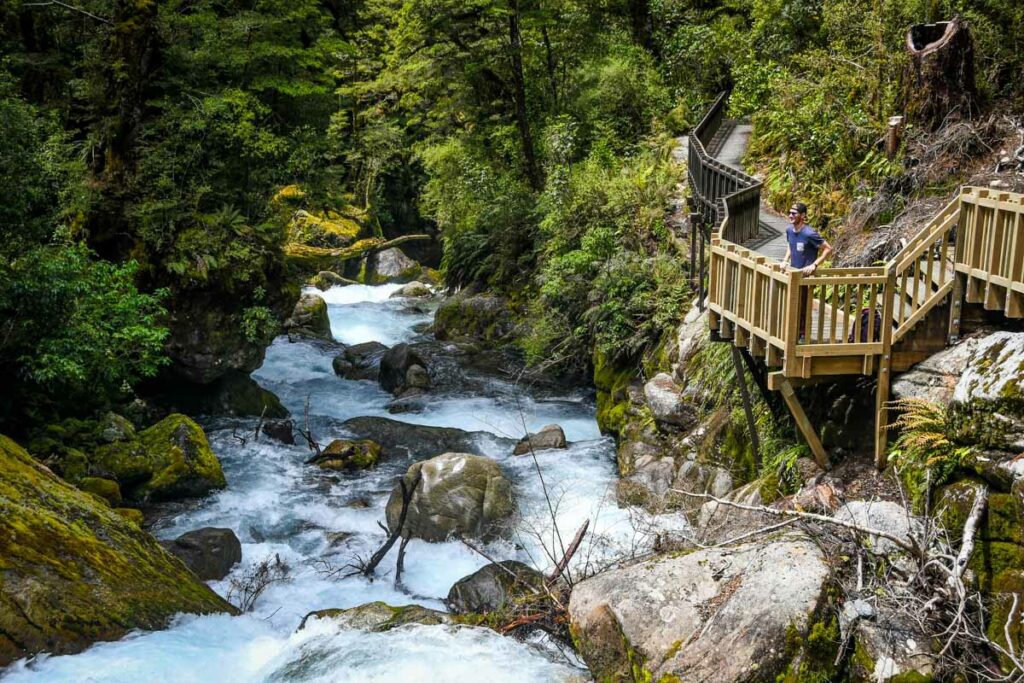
[277, 504]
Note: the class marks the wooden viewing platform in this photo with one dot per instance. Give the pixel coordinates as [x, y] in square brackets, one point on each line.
[876, 320]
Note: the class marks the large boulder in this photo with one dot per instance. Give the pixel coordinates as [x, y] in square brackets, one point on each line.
[235, 394]
[885, 516]
[667, 403]
[207, 340]
[170, 460]
[983, 379]
[309, 319]
[459, 495]
[403, 440]
[716, 615]
[549, 437]
[494, 587]
[377, 617]
[209, 552]
[412, 290]
[480, 318]
[360, 361]
[73, 571]
[395, 367]
[392, 265]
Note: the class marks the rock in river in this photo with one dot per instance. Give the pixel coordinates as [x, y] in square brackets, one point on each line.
[403, 440]
[74, 571]
[397, 365]
[549, 436]
[170, 460]
[360, 361]
[309, 319]
[493, 587]
[459, 495]
[379, 616]
[718, 615]
[209, 552]
[345, 454]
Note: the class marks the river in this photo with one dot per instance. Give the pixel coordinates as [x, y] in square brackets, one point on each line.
[310, 519]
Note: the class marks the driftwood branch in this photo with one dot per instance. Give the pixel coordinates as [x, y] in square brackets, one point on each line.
[907, 544]
[307, 434]
[563, 564]
[970, 530]
[66, 6]
[407, 494]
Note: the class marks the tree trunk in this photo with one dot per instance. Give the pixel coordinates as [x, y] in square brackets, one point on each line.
[519, 96]
[941, 85]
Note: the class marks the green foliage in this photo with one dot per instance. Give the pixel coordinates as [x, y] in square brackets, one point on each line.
[78, 332]
[928, 445]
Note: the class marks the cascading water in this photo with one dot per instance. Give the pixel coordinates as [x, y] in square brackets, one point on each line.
[280, 506]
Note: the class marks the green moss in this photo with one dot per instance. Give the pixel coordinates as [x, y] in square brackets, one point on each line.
[132, 515]
[344, 454]
[812, 658]
[76, 571]
[612, 382]
[171, 459]
[107, 489]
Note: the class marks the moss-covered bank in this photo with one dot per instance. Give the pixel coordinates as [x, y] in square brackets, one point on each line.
[73, 571]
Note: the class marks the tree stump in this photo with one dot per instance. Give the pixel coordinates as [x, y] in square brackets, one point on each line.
[941, 84]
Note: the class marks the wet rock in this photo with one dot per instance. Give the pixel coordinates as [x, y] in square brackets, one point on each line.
[207, 340]
[358, 504]
[348, 455]
[549, 436]
[107, 489]
[209, 552]
[336, 539]
[460, 495]
[360, 361]
[409, 402]
[326, 279]
[170, 460]
[412, 290]
[280, 430]
[234, 394]
[392, 265]
[480, 318]
[75, 571]
[664, 397]
[403, 440]
[416, 377]
[395, 365]
[309, 319]
[377, 617]
[670, 616]
[494, 587]
[885, 516]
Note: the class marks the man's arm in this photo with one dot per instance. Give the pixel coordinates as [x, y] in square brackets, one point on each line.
[823, 253]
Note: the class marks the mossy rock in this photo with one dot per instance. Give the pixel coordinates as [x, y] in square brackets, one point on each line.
[612, 381]
[107, 489]
[309, 319]
[348, 455]
[133, 515]
[999, 602]
[74, 572]
[484, 319]
[170, 460]
[329, 229]
[379, 616]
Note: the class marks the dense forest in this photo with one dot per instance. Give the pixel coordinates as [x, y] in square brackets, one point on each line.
[146, 142]
[176, 174]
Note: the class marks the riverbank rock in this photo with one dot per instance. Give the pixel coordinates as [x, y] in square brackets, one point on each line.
[886, 516]
[891, 649]
[401, 365]
[668, 406]
[460, 495]
[326, 279]
[170, 460]
[107, 489]
[403, 440]
[982, 379]
[714, 615]
[309, 319]
[658, 482]
[378, 617]
[347, 455]
[209, 552]
[74, 572]
[494, 587]
[360, 361]
[235, 394]
[480, 318]
[549, 436]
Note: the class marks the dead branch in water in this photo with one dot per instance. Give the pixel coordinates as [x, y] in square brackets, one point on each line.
[561, 569]
[307, 433]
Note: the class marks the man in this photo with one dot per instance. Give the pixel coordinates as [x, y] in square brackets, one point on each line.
[805, 250]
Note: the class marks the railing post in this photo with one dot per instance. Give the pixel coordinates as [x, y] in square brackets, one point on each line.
[884, 367]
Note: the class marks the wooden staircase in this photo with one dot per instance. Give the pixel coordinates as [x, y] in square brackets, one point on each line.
[877, 320]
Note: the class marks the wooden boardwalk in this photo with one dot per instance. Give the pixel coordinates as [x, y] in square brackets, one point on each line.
[875, 320]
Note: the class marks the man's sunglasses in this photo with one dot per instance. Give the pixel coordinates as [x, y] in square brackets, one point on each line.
[793, 212]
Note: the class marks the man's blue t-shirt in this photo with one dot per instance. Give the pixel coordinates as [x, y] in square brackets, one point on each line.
[803, 245]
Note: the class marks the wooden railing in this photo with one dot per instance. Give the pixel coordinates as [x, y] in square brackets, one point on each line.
[719, 191]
